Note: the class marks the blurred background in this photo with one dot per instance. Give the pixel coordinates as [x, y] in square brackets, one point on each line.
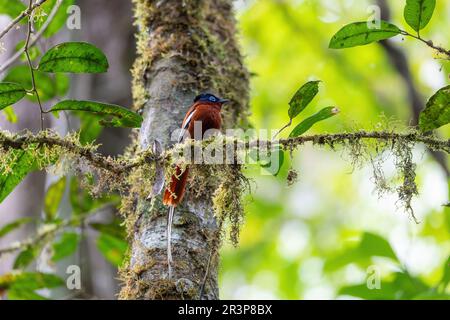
[329, 235]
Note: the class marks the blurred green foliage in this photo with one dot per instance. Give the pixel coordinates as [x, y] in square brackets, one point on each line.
[329, 236]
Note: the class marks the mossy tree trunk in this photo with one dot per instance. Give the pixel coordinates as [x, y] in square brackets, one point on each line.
[184, 47]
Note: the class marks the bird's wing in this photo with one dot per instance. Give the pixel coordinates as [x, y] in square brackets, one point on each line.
[185, 125]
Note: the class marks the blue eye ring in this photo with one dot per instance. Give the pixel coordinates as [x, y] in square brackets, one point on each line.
[212, 99]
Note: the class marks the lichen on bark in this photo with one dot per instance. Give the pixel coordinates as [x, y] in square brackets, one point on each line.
[184, 47]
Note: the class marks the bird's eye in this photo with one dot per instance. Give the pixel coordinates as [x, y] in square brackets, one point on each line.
[212, 99]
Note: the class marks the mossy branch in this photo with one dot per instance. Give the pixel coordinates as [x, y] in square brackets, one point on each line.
[122, 165]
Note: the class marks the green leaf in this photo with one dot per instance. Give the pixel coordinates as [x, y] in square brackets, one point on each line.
[22, 163]
[74, 57]
[29, 281]
[112, 248]
[386, 292]
[80, 200]
[45, 85]
[371, 245]
[13, 226]
[10, 115]
[53, 198]
[117, 116]
[306, 124]
[302, 98]
[274, 167]
[90, 128]
[374, 245]
[446, 275]
[10, 93]
[62, 82]
[437, 111]
[418, 13]
[114, 228]
[58, 21]
[17, 294]
[359, 33]
[83, 203]
[12, 8]
[26, 257]
[66, 246]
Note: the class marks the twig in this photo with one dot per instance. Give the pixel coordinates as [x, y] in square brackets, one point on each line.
[30, 64]
[49, 231]
[428, 43]
[22, 15]
[34, 39]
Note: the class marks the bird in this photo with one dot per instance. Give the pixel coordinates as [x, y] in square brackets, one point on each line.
[206, 109]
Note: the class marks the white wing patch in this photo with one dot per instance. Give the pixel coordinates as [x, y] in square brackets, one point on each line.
[185, 126]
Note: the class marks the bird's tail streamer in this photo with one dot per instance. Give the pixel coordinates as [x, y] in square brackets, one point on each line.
[169, 239]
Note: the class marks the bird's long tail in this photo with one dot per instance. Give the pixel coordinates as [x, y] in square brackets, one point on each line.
[169, 239]
[172, 197]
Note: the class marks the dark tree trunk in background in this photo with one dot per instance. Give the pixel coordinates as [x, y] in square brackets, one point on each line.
[184, 47]
[108, 25]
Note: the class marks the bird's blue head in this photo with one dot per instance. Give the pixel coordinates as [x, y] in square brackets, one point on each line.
[208, 97]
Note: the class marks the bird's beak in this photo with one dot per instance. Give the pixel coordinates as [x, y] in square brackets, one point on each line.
[223, 101]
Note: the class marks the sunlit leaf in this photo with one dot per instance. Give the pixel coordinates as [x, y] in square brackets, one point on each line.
[29, 280]
[26, 257]
[112, 248]
[58, 21]
[90, 128]
[371, 245]
[359, 33]
[386, 292]
[22, 164]
[446, 276]
[53, 198]
[10, 93]
[11, 7]
[418, 13]
[62, 82]
[74, 57]
[113, 115]
[437, 111]
[13, 226]
[18, 294]
[303, 98]
[10, 115]
[374, 245]
[306, 124]
[66, 246]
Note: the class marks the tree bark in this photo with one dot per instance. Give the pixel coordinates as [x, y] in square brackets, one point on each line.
[184, 47]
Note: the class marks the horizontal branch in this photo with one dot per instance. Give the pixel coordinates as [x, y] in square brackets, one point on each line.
[49, 139]
[120, 166]
[412, 137]
[49, 231]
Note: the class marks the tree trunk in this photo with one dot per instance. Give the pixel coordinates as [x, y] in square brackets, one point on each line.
[184, 47]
